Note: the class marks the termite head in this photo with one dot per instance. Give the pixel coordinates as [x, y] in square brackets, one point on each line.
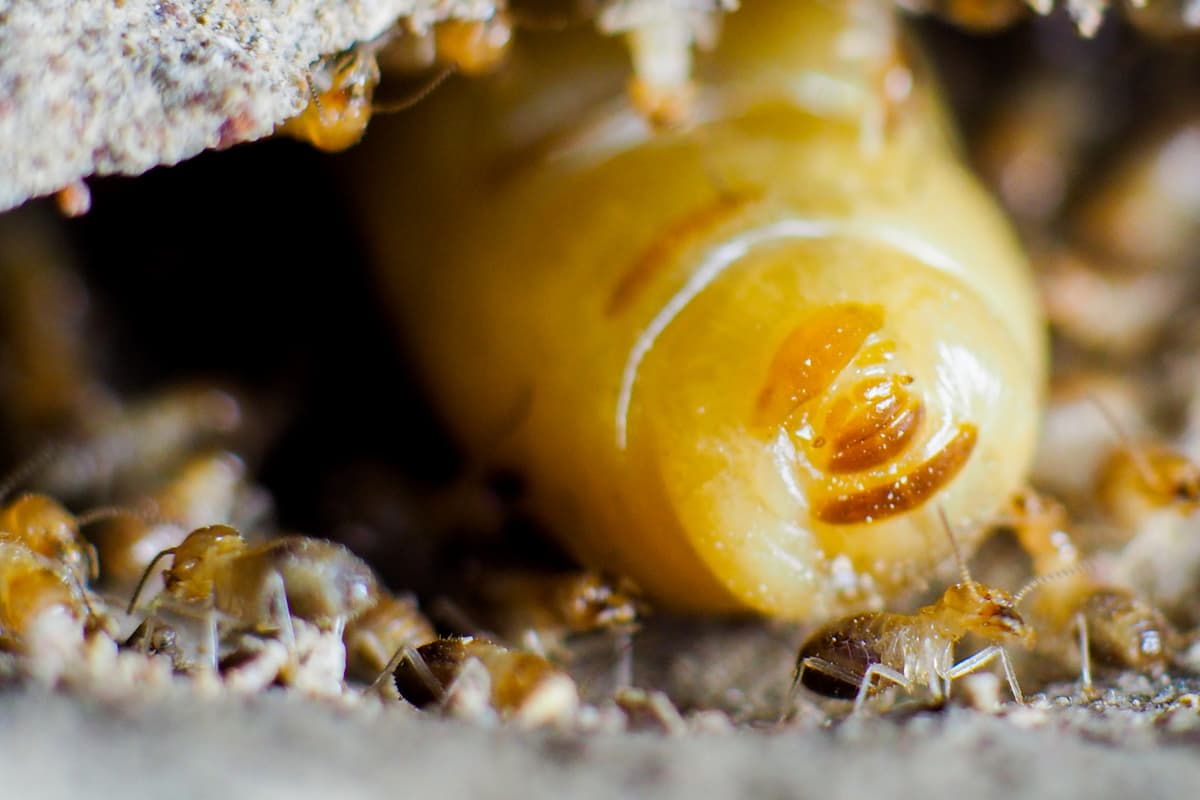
[49, 529]
[196, 557]
[1172, 479]
[598, 603]
[474, 47]
[986, 612]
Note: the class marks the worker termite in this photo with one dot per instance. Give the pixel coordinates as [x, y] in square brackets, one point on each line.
[342, 86]
[775, 348]
[473, 677]
[1150, 493]
[852, 657]
[42, 606]
[48, 529]
[217, 576]
[207, 489]
[1114, 626]
[540, 610]
[660, 38]
[45, 607]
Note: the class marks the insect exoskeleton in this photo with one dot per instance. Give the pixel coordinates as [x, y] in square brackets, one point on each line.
[215, 574]
[341, 86]
[37, 596]
[206, 489]
[47, 528]
[1113, 625]
[748, 355]
[340, 89]
[473, 677]
[540, 610]
[850, 659]
[392, 623]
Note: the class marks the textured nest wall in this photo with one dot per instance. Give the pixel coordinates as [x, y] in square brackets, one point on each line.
[103, 87]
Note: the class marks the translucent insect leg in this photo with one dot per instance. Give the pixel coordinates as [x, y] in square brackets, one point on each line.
[981, 659]
[281, 614]
[1085, 653]
[413, 656]
[883, 671]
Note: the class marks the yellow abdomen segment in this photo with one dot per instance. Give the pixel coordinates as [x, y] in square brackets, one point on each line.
[742, 364]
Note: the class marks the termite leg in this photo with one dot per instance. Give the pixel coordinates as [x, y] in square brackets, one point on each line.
[623, 652]
[211, 638]
[982, 658]
[282, 613]
[1085, 654]
[413, 656]
[883, 671]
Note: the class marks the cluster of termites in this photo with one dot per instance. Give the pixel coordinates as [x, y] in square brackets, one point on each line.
[134, 546]
[134, 542]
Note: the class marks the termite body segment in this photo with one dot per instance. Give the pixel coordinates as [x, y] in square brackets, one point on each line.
[216, 575]
[855, 657]
[523, 689]
[1114, 626]
[747, 354]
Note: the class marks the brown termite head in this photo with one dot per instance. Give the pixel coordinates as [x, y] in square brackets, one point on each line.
[593, 602]
[192, 576]
[984, 611]
[340, 89]
[474, 47]
[552, 605]
[1160, 476]
[206, 489]
[47, 528]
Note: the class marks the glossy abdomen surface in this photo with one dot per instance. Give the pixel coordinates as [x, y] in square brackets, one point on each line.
[743, 364]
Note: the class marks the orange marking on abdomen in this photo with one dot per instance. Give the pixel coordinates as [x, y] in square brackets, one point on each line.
[812, 356]
[903, 493]
[677, 235]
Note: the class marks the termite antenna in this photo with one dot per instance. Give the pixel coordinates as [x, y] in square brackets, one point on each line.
[958, 556]
[1049, 577]
[24, 471]
[315, 97]
[148, 514]
[145, 577]
[1123, 438]
[416, 97]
